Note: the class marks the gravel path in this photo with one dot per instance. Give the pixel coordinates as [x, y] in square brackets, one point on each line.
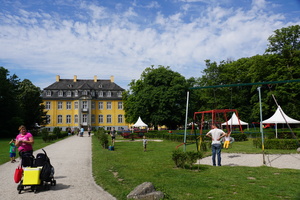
[290, 161]
[71, 159]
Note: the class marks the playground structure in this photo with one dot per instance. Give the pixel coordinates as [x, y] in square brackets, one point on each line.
[216, 119]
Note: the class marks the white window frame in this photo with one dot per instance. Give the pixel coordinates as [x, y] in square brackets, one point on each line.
[69, 105]
[84, 104]
[108, 119]
[108, 105]
[59, 105]
[68, 119]
[100, 105]
[84, 118]
[100, 119]
[84, 92]
[59, 119]
[60, 93]
[76, 105]
[119, 94]
[120, 118]
[48, 105]
[120, 105]
[76, 119]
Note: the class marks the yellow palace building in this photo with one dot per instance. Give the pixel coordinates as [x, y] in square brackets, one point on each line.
[76, 103]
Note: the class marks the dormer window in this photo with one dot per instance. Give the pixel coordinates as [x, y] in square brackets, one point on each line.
[108, 94]
[100, 86]
[119, 94]
[60, 93]
[84, 92]
[70, 86]
[100, 93]
[48, 93]
[69, 94]
[93, 93]
[76, 93]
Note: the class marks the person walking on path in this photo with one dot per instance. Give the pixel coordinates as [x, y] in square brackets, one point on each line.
[216, 135]
[24, 141]
[89, 131]
[81, 132]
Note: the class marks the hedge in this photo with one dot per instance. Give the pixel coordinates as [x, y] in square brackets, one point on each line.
[277, 143]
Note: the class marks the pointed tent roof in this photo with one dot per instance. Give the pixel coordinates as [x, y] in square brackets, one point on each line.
[234, 120]
[140, 123]
[278, 118]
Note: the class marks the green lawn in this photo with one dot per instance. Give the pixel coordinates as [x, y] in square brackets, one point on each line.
[120, 171]
[4, 147]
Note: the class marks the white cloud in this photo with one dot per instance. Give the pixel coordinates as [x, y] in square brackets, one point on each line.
[115, 44]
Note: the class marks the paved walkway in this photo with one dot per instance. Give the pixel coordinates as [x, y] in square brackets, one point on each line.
[71, 159]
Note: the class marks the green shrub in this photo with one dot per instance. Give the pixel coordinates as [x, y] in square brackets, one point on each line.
[52, 137]
[179, 157]
[192, 157]
[45, 135]
[102, 137]
[56, 132]
[185, 158]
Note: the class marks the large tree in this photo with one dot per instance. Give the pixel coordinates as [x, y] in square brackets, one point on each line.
[10, 110]
[159, 97]
[281, 62]
[31, 104]
[20, 103]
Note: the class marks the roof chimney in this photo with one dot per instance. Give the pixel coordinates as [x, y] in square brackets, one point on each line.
[57, 78]
[112, 79]
[95, 78]
[75, 78]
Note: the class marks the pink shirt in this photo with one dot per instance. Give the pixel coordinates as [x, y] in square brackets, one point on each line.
[24, 146]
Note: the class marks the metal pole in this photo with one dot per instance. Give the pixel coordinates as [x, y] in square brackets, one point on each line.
[186, 115]
[261, 128]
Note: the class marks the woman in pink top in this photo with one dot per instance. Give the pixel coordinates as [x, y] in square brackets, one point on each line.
[24, 141]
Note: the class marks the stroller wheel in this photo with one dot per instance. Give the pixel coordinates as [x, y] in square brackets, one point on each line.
[53, 182]
[20, 188]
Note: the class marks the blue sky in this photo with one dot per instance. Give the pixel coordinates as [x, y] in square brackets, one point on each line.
[42, 39]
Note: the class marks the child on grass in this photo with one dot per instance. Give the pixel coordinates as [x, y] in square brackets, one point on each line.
[145, 141]
[12, 151]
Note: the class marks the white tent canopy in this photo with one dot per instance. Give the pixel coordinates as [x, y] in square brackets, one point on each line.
[140, 123]
[234, 120]
[280, 117]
